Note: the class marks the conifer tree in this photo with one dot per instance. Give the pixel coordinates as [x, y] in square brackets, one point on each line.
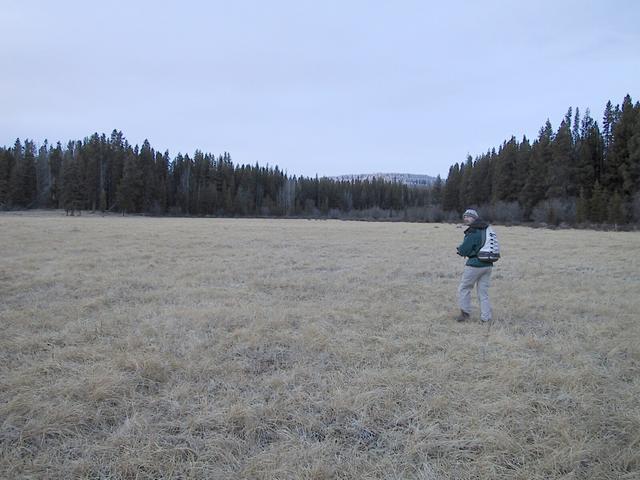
[6, 165]
[90, 153]
[15, 196]
[43, 176]
[161, 175]
[521, 168]
[535, 186]
[589, 154]
[560, 170]
[116, 151]
[481, 179]
[23, 180]
[129, 193]
[620, 157]
[55, 167]
[71, 192]
[618, 168]
[503, 172]
[608, 120]
[451, 194]
[575, 133]
[631, 181]
[466, 190]
[149, 187]
[436, 197]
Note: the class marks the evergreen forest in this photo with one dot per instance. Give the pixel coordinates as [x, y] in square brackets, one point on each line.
[584, 172]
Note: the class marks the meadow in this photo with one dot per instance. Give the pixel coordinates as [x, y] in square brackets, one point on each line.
[148, 348]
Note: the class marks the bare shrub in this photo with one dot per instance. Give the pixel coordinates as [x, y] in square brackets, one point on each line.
[451, 216]
[555, 211]
[265, 211]
[374, 213]
[635, 208]
[501, 211]
[335, 214]
[431, 214]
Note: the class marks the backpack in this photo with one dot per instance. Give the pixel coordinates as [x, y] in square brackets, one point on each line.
[490, 250]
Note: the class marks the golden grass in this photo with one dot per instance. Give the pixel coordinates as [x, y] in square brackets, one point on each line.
[222, 348]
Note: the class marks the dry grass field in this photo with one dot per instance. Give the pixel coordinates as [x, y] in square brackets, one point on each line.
[147, 348]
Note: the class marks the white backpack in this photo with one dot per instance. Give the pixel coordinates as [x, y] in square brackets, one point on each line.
[490, 251]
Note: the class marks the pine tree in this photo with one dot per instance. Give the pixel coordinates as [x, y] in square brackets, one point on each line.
[535, 186]
[484, 176]
[15, 196]
[576, 127]
[589, 155]
[478, 194]
[560, 172]
[632, 177]
[6, 165]
[91, 155]
[521, 171]
[55, 167]
[25, 181]
[149, 187]
[503, 172]
[70, 192]
[130, 188]
[608, 120]
[617, 174]
[43, 176]
[465, 190]
[451, 193]
[629, 130]
[117, 150]
[436, 195]
[161, 174]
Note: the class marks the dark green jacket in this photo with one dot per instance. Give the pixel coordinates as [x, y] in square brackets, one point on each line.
[473, 241]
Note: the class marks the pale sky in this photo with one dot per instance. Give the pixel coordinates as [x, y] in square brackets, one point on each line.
[315, 87]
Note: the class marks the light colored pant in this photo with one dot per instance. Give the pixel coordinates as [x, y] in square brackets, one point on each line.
[470, 277]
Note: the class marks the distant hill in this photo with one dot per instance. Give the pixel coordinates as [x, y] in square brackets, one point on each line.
[410, 179]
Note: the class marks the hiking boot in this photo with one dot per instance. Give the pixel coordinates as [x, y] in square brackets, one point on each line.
[463, 317]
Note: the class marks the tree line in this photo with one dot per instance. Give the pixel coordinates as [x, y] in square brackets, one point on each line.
[108, 174]
[578, 173]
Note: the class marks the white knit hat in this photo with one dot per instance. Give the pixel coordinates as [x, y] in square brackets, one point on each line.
[470, 213]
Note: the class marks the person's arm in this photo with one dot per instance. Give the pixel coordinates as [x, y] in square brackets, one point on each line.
[468, 246]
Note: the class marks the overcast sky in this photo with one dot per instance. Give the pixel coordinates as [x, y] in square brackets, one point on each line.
[327, 87]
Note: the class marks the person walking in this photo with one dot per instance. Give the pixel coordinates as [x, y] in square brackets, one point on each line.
[476, 272]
